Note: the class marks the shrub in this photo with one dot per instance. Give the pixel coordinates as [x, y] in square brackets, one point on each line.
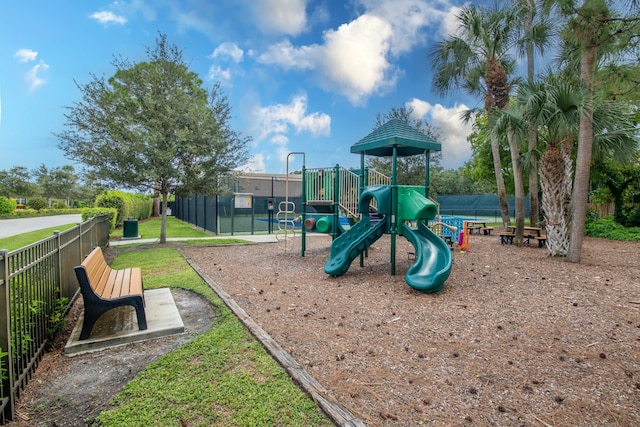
[91, 212]
[609, 229]
[630, 216]
[113, 200]
[37, 203]
[7, 205]
[138, 206]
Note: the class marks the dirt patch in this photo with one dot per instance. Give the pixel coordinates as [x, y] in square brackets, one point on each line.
[72, 391]
[515, 338]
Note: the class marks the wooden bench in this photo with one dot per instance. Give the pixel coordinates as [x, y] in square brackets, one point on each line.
[104, 288]
[542, 240]
[506, 238]
[486, 230]
[475, 228]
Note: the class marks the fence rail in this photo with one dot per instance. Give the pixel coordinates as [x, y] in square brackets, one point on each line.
[33, 281]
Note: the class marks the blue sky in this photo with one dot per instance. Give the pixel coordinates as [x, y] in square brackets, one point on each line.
[300, 75]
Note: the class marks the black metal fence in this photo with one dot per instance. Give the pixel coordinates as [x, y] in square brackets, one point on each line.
[231, 214]
[249, 214]
[34, 280]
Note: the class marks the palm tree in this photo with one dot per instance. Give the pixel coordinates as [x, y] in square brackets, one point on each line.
[535, 32]
[477, 60]
[554, 107]
[593, 33]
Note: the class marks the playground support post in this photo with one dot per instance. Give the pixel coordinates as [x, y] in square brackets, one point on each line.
[304, 200]
[427, 161]
[394, 208]
[303, 237]
[336, 202]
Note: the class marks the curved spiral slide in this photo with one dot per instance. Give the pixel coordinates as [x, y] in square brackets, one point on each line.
[433, 259]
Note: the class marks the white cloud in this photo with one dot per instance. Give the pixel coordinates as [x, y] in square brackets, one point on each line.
[256, 164]
[451, 23]
[34, 76]
[280, 16]
[278, 120]
[106, 18]
[25, 55]
[289, 57]
[276, 123]
[352, 61]
[230, 50]
[408, 20]
[219, 74]
[356, 59]
[455, 147]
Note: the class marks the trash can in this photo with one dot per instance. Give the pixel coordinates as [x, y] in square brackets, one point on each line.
[130, 229]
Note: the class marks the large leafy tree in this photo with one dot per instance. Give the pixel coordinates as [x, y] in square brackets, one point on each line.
[152, 126]
[480, 167]
[618, 179]
[56, 183]
[477, 60]
[16, 182]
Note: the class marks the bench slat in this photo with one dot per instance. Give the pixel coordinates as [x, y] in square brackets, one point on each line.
[104, 283]
[117, 284]
[135, 285]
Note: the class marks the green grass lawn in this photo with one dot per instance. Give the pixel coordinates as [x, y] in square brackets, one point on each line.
[223, 377]
[150, 229]
[14, 242]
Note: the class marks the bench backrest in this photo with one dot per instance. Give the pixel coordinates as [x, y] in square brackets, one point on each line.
[93, 274]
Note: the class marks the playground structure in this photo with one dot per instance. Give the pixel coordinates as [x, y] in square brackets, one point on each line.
[372, 205]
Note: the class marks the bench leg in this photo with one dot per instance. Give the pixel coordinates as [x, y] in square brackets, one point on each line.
[90, 318]
[139, 304]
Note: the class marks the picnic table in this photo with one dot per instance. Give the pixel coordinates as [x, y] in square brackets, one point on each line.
[534, 233]
[478, 227]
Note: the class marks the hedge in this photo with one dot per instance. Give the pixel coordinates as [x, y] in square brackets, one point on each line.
[127, 205]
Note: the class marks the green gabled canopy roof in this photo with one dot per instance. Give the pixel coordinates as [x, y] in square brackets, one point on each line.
[395, 133]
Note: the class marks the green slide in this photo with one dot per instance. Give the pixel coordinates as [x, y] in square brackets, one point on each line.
[361, 235]
[433, 259]
[351, 244]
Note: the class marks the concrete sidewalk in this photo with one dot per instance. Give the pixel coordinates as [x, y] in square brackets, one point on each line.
[13, 227]
[254, 238]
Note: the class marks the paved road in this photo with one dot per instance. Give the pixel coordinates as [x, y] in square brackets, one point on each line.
[11, 227]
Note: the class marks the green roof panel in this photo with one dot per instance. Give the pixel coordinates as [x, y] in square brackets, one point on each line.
[407, 140]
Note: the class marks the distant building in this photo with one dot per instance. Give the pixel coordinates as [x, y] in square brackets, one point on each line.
[269, 185]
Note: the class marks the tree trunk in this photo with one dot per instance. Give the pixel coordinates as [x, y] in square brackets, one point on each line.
[534, 201]
[156, 199]
[163, 227]
[518, 182]
[502, 192]
[580, 197]
[553, 171]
